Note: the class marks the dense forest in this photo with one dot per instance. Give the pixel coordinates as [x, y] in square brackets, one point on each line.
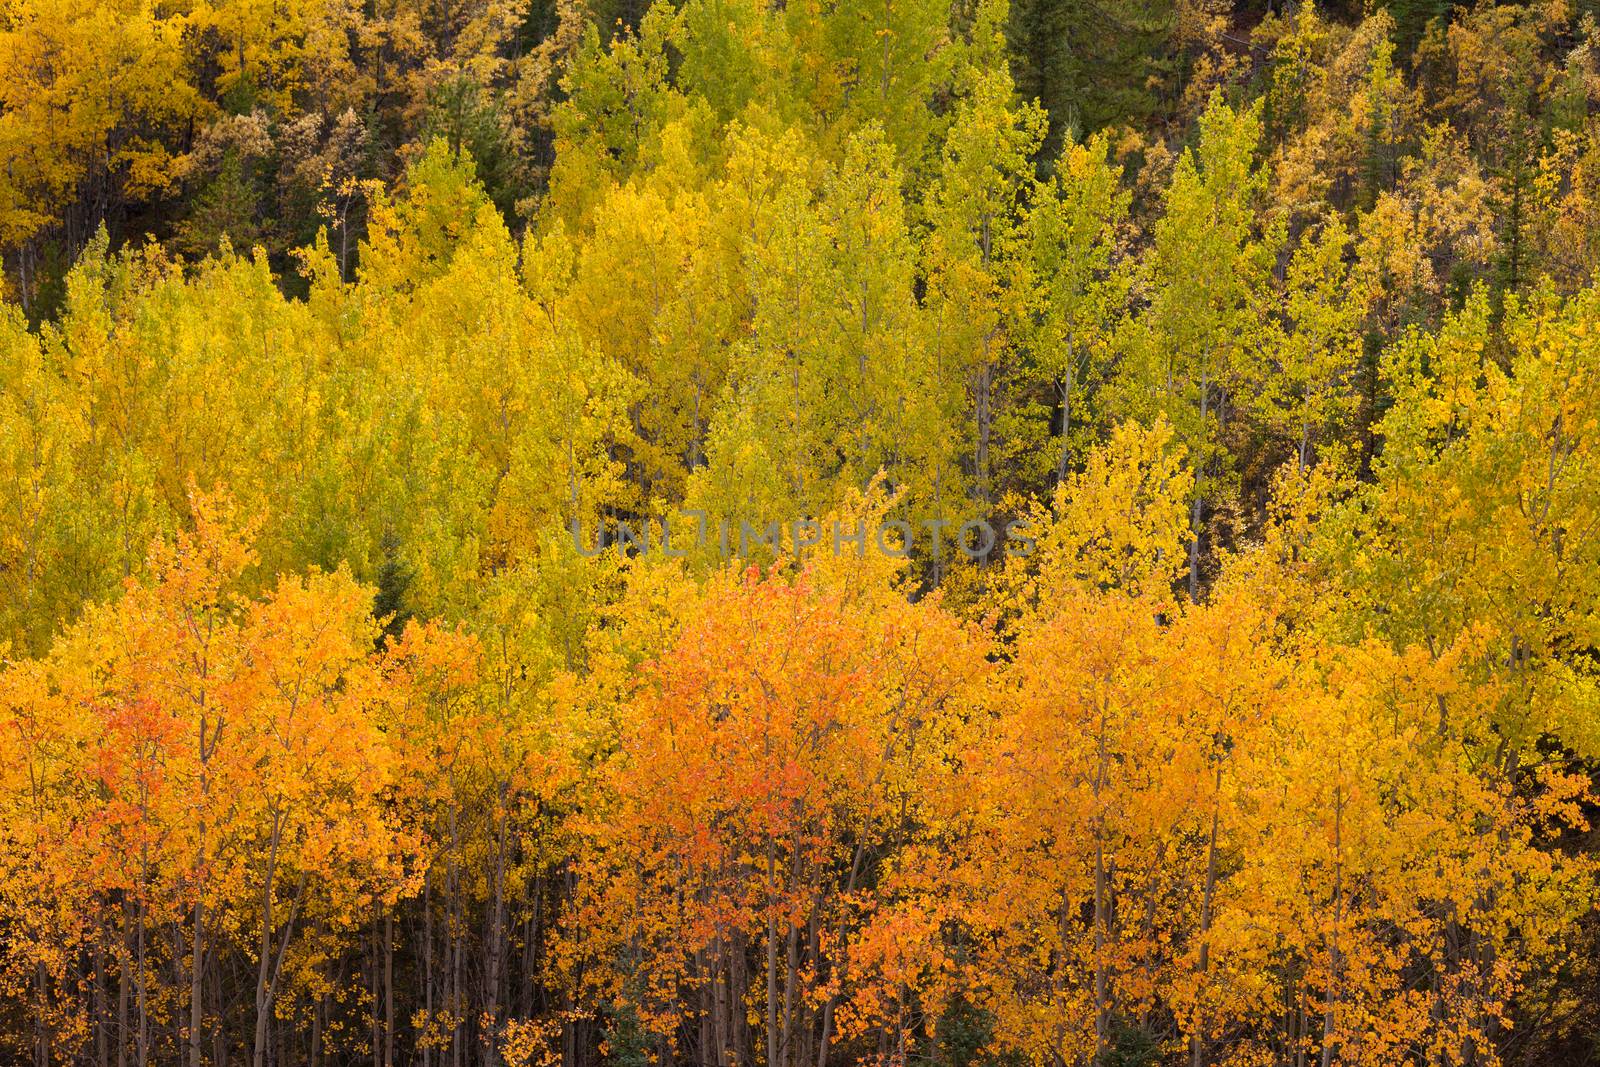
[563, 533]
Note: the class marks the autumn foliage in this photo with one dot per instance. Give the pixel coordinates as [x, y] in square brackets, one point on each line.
[340, 722]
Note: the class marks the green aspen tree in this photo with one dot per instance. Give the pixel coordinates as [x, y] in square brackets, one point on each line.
[1076, 287]
[1208, 283]
[976, 249]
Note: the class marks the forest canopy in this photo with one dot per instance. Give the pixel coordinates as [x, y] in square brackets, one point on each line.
[447, 615]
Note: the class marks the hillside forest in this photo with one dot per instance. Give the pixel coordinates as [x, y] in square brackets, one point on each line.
[799, 533]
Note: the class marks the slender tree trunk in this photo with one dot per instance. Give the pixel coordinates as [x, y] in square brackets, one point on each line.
[388, 988]
[791, 970]
[264, 963]
[1334, 961]
[1102, 1022]
[272, 967]
[122, 995]
[772, 958]
[427, 960]
[41, 1030]
[738, 983]
[721, 1031]
[1066, 421]
[197, 958]
[142, 1034]
[1197, 1039]
[317, 1015]
[454, 938]
[496, 935]
[1300, 1026]
[828, 1005]
[374, 986]
[1197, 508]
[102, 1000]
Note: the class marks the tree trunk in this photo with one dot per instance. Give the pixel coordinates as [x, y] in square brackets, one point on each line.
[1197, 1039]
[772, 958]
[1338, 917]
[1102, 1021]
[196, 970]
[1196, 509]
[388, 988]
[1066, 421]
[496, 937]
